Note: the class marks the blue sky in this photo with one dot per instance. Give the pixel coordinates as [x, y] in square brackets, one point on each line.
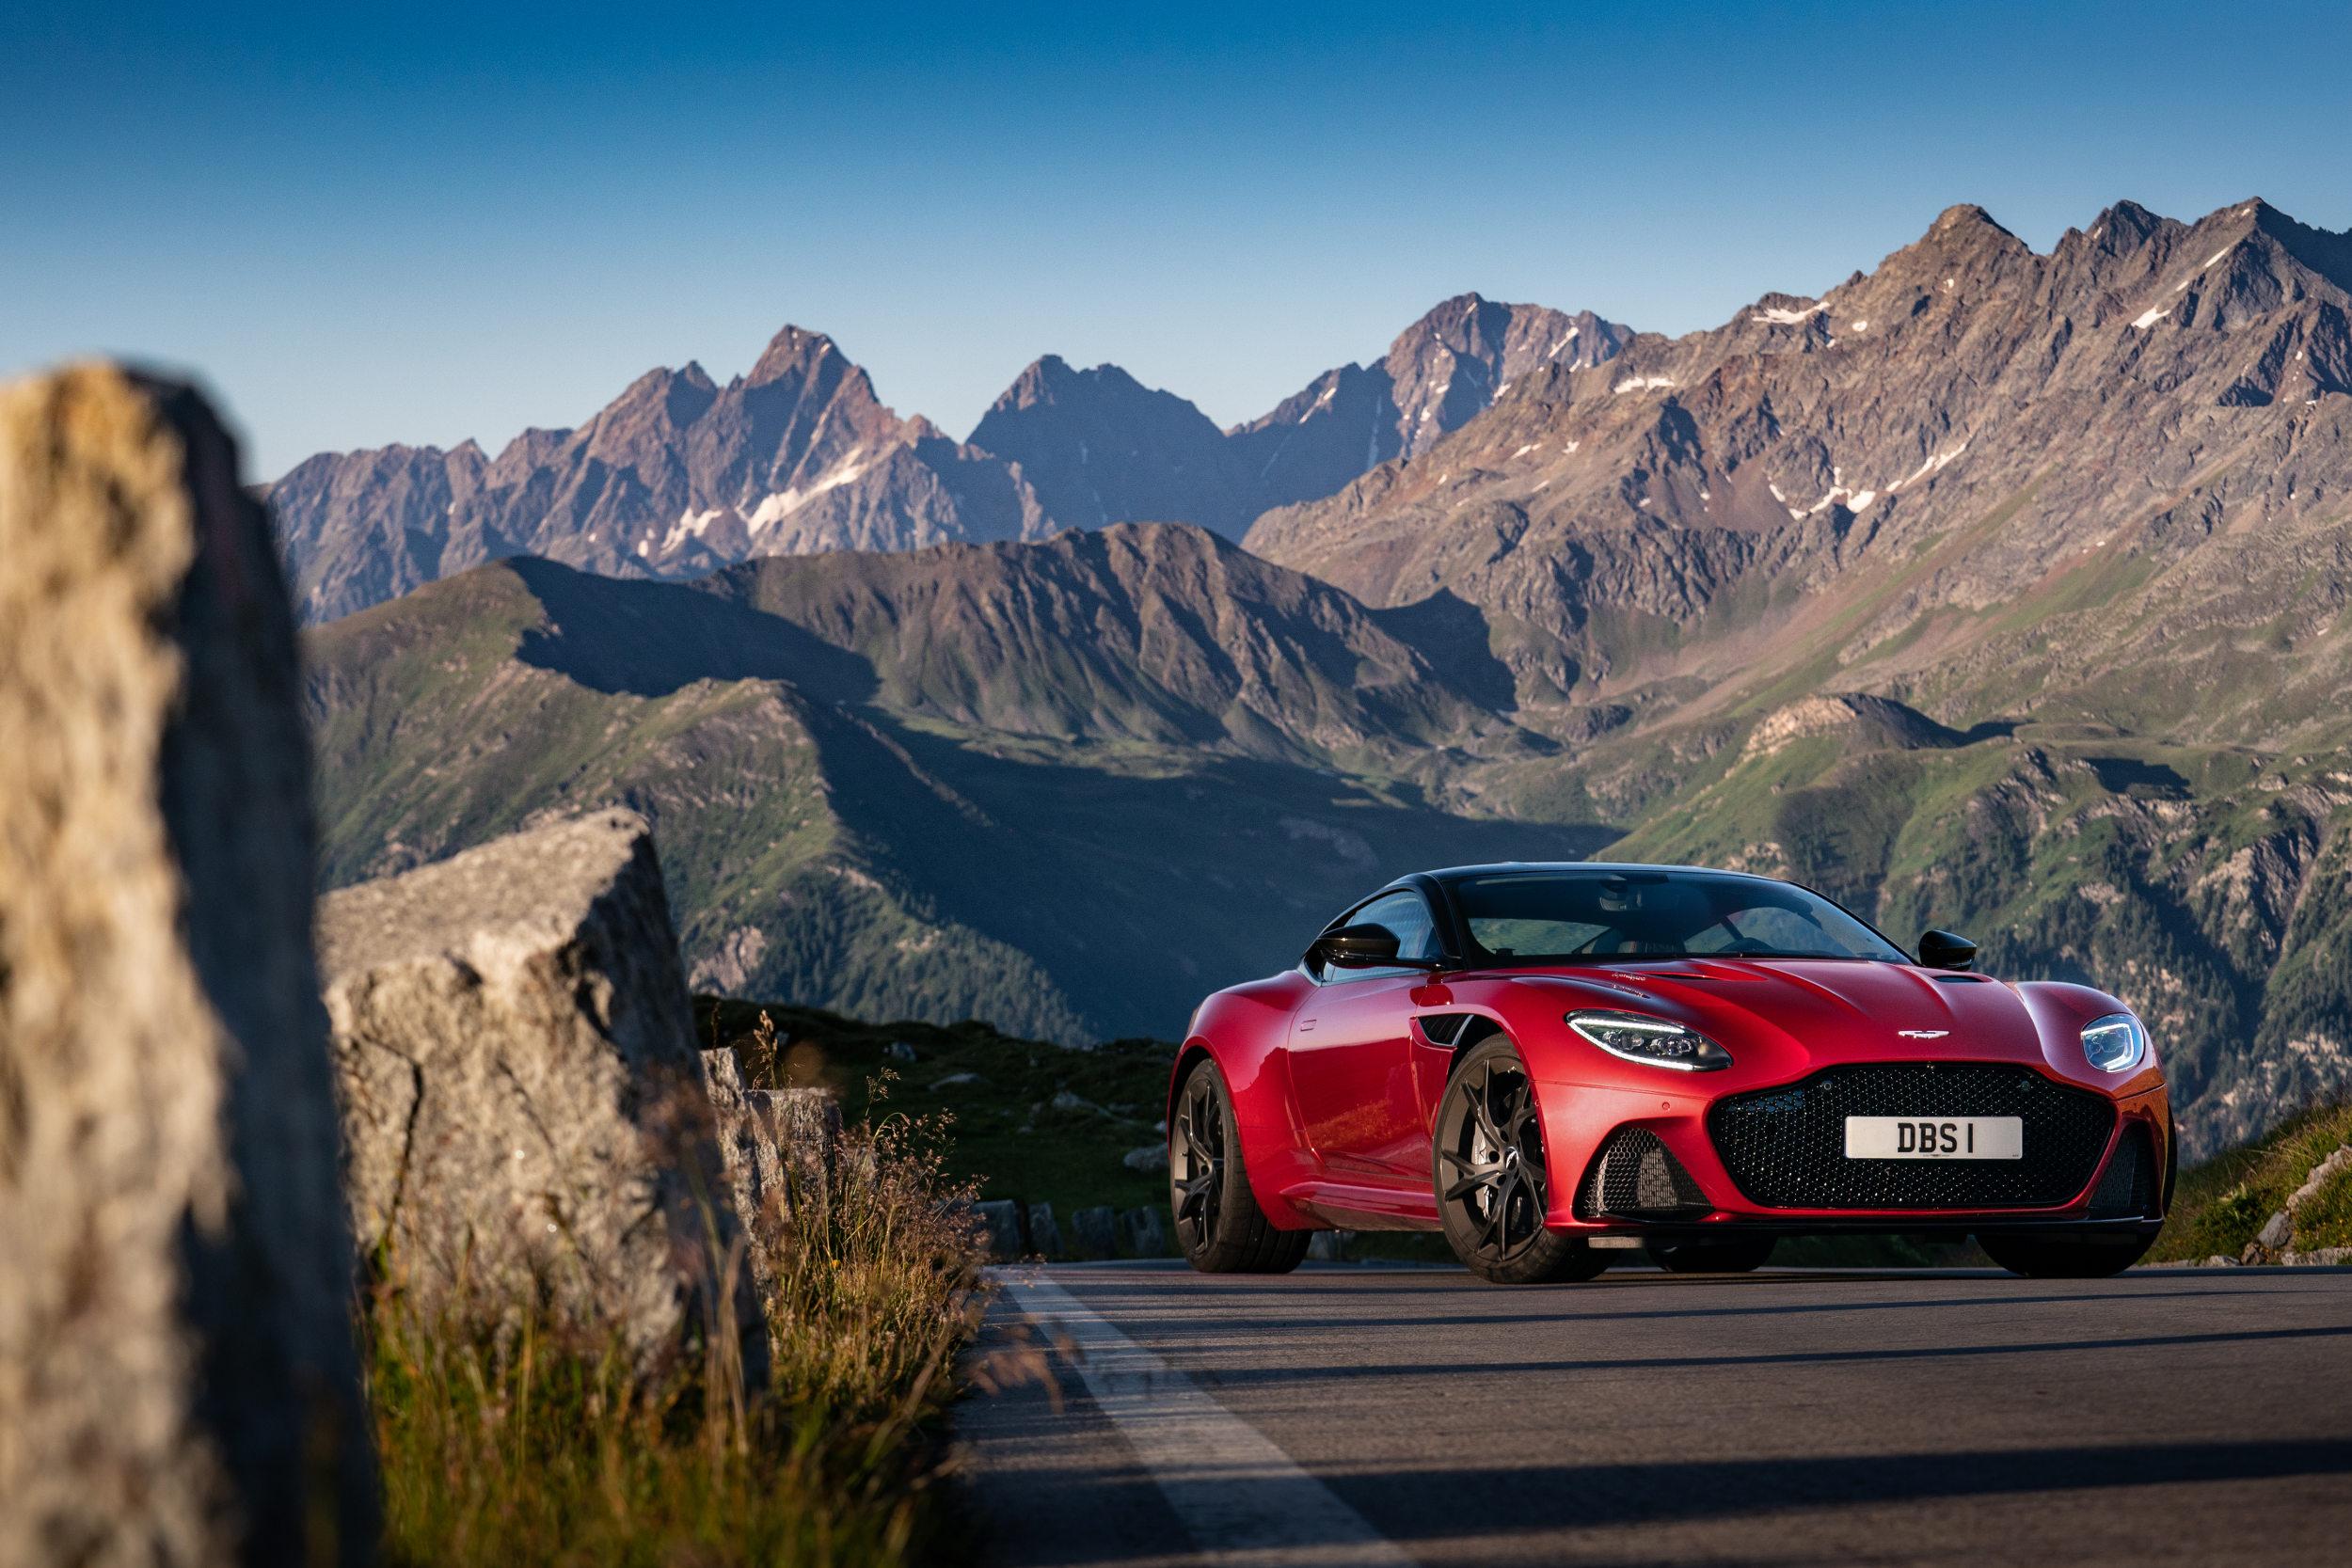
[419, 223]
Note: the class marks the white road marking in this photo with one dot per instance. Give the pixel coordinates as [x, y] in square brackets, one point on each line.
[1241, 1497]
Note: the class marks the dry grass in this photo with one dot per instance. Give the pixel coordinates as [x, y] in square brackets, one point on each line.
[523, 1449]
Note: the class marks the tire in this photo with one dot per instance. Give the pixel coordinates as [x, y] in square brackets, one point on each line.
[2066, 1257]
[1219, 1223]
[1713, 1253]
[1492, 1181]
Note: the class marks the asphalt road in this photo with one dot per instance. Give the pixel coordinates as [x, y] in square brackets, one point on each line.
[1349, 1414]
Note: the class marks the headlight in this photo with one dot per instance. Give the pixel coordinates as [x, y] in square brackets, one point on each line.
[1657, 1041]
[2116, 1043]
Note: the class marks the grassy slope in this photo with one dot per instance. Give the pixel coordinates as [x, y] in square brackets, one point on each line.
[2219, 1205]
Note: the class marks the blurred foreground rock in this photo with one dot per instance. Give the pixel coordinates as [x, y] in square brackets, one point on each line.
[522, 1095]
[177, 1383]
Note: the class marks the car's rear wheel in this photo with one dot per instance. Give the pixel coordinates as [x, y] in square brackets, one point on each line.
[1712, 1254]
[1218, 1222]
[2066, 1257]
[1493, 1184]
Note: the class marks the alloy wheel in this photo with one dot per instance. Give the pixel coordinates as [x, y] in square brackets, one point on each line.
[1199, 1155]
[1495, 1169]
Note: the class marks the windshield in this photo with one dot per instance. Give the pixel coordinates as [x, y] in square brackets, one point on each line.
[1521, 917]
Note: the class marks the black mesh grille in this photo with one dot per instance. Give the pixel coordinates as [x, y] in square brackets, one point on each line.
[1637, 1176]
[2129, 1187]
[1787, 1148]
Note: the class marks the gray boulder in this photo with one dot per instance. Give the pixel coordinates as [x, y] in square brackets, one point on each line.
[1000, 1219]
[777, 1138]
[1142, 1233]
[1149, 1158]
[778, 1147]
[178, 1382]
[1044, 1234]
[1096, 1230]
[521, 1090]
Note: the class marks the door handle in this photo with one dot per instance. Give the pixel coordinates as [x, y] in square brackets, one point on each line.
[1306, 1025]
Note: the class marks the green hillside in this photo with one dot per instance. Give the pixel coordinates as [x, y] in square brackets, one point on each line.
[1070, 787]
[850, 856]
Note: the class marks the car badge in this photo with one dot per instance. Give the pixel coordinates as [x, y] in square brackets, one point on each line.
[1923, 1034]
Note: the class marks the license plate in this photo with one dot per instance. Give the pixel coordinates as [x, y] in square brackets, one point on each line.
[1935, 1137]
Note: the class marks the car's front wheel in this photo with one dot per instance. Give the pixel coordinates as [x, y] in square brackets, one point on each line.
[1493, 1184]
[1218, 1222]
[2066, 1257]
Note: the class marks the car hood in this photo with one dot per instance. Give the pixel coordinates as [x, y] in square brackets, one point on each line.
[1780, 1017]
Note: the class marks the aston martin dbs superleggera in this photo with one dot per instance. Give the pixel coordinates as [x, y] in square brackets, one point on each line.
[1564, 1065]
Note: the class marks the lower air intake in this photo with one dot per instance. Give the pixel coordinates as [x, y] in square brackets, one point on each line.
[1786, 1147]
[1636, 1177]
[2128, 1191]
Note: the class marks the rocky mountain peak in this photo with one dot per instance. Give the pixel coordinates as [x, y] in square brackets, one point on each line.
[2125, 225]
[1050, 378]
[668, 401]
[680, 474]
[1967, 220]
[1100, 447]
[794, 352]
[1451, 320]
[2326, 253]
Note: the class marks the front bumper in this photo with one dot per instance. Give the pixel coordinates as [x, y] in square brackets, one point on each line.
[1582, 1124]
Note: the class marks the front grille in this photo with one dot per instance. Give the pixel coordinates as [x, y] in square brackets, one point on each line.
[2129, 1187]
[1636, 1175]
[1787, 1147]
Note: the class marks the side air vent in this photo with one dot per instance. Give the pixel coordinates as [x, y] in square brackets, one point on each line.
[1636, 1177]
[1444, 1028]
[2128, 1190]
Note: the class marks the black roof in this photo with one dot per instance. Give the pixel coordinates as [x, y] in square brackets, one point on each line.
[1456, 873]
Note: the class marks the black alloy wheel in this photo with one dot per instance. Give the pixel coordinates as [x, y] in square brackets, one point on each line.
[1196, 1155]
[1492, 1180]
[1219, 1223]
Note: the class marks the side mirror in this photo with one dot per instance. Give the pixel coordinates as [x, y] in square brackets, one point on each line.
[1947, 950]
[1357, 948]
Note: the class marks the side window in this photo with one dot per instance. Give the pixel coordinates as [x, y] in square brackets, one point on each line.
[1406, 915]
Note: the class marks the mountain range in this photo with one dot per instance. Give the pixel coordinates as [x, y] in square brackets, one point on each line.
[678, 475]
[1994, 588]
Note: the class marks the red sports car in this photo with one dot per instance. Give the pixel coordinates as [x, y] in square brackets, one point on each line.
[1559, 1066]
